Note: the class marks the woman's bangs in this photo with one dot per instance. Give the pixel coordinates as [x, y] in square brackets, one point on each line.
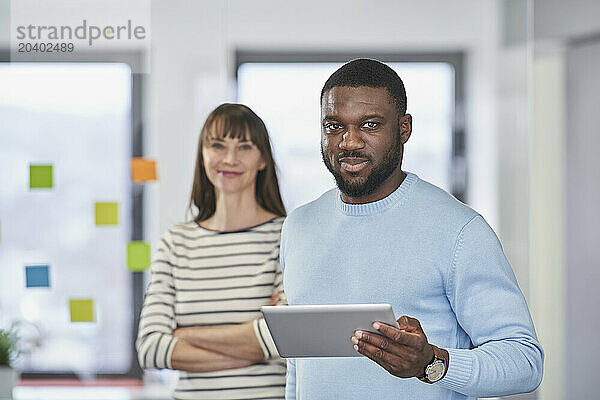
[234, 128]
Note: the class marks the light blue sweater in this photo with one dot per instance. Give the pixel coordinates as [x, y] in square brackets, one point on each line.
[430, 257]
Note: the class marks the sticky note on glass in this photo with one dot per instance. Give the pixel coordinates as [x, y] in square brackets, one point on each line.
[37, 276]
[82, 310]
[138, 255]
[107, 213]
[40, 176]
[143, 170]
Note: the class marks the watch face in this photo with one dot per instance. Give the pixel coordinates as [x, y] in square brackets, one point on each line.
[435, 371]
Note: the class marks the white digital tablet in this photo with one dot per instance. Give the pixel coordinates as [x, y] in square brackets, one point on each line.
[322, 330]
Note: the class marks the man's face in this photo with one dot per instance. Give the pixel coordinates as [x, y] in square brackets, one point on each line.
[362, 141]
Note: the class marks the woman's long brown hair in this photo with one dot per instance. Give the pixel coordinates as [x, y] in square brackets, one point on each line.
[236, 121]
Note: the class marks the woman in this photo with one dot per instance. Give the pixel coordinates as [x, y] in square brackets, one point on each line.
[212, 275]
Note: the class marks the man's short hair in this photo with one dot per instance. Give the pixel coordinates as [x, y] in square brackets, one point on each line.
[369, 73]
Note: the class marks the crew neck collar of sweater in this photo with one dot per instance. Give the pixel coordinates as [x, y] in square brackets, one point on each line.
[396, 197]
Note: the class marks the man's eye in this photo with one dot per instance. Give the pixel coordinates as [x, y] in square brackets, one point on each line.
[371, 124]
[333, 127]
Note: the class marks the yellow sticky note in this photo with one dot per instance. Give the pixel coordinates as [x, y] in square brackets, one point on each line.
[138, 255]
[82, 310]
[143, 170]
[40, 176]
[107, 213]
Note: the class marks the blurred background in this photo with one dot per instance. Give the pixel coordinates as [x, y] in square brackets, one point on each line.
[504, 98]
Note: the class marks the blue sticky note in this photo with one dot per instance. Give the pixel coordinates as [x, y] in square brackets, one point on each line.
[37, 276]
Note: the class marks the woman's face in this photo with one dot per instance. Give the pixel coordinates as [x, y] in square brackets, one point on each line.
[232, 164]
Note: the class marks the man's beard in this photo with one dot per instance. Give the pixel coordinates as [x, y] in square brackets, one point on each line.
[379, 174]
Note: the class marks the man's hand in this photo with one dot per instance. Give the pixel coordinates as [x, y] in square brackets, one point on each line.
[402, 351]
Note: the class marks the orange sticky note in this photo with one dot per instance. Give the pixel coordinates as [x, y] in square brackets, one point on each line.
[143, 170]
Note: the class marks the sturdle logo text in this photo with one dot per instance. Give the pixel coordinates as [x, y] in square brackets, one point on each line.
[83, 31]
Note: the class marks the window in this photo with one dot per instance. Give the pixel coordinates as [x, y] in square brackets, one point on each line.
[286, 96]
[75, 118]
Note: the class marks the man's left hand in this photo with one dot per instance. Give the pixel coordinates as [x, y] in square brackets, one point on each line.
[403, 351]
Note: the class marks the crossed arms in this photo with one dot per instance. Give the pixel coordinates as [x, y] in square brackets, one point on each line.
[206, 349]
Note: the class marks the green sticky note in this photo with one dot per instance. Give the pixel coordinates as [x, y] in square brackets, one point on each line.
[138, 255]
[107, 213]
[40, 176]
[82, 310]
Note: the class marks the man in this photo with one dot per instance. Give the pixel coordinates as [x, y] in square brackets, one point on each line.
[386, 236]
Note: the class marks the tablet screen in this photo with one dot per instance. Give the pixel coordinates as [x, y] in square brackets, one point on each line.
[322, 330]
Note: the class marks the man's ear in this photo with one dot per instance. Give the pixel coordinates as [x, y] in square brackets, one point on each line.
[405, 123]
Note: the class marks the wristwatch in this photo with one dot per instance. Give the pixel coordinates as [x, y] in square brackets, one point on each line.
[436, 369]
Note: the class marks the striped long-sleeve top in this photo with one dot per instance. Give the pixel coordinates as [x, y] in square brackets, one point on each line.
[206, 278]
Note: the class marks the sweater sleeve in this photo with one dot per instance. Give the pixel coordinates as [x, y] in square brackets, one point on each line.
[506, 357]
[260, 326]
[155, 341]
[290, 381]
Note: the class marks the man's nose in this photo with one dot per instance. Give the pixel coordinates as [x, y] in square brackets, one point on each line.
[352, 140]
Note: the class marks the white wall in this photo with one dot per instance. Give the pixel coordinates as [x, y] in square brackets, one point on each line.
[564, 173]
[583, 220]
[548, 215]
[514, 132]
[186, 80]
[559, 19]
